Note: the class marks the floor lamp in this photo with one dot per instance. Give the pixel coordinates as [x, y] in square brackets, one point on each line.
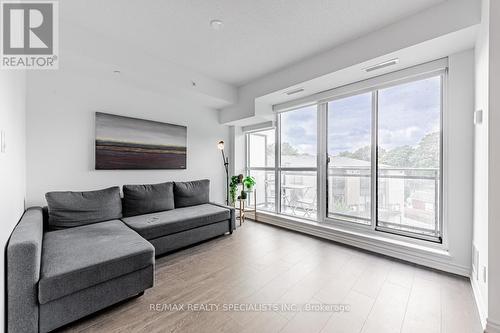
[225, 159]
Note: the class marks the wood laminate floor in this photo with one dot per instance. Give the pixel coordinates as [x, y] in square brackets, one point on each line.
[262, 264]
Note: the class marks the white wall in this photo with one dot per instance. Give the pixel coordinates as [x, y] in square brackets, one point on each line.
[493, 320]
[480, 227]
[458, 165]
[238, 151]
[60, 129]
[12, 163]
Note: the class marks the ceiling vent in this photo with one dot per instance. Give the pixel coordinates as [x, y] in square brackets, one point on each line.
[296, 91]
[382, 65]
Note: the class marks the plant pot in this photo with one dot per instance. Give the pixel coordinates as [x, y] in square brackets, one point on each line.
[243, 195]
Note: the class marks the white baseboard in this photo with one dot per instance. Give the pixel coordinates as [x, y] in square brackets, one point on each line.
[437, 259]
[481, 308]
[492, 326]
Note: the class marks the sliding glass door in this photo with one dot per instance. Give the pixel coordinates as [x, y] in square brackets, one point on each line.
[298, 162]
[409, 157]
[384, 158]
[260, 165]
[286, 173]
[369, 158]
[349, 158]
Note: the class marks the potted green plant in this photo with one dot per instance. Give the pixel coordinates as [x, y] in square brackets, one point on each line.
[249, 183]
[243, 195]
[233, 188]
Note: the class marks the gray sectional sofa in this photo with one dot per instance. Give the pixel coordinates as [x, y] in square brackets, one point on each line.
[89, 250]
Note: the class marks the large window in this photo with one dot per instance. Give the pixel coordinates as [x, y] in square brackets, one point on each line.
[350, 155]
[261, 148]
[406, 172]
[409, 150]
[298, 162]
[299, 132]
[261, 158]
[381, 167]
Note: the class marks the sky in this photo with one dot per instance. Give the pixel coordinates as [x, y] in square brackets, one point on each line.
[349, 123]
[299, 128]
[407, 113]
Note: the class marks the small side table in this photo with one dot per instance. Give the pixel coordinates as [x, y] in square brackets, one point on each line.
[242, 210]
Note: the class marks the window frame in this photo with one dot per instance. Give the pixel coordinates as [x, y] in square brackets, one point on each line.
[431, 69]
[373, 226]
[280, 169]
[248, 166]
[373, 145]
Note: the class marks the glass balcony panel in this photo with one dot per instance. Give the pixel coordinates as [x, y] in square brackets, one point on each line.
[298, 194]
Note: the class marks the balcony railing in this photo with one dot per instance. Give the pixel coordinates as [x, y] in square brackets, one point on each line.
[407, 200]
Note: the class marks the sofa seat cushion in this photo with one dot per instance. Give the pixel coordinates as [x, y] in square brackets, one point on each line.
[160, 224]
[77, 258]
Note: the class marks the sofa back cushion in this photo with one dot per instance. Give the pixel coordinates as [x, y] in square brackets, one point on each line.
[191, 193]
[73, 209]
[150, 198]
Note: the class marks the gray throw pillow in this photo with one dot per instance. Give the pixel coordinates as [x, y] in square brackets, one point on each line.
[144, 199]
[73, 209]
[191, 193]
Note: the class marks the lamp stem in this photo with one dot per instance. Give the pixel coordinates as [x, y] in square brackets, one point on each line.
[226, 164]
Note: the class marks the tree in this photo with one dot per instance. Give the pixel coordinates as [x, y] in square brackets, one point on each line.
[363, 153]
[286, 149]
[426, 155]
[398, 157]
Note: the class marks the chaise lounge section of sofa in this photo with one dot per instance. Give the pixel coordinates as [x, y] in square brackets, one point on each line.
[81, 254]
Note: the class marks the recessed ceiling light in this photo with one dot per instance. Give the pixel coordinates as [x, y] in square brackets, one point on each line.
[117, 72]
[216, 24]
[381, 65]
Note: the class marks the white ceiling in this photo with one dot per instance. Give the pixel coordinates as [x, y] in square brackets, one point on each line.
[258, 37]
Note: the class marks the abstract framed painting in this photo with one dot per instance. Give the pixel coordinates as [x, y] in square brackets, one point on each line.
[131, 143]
